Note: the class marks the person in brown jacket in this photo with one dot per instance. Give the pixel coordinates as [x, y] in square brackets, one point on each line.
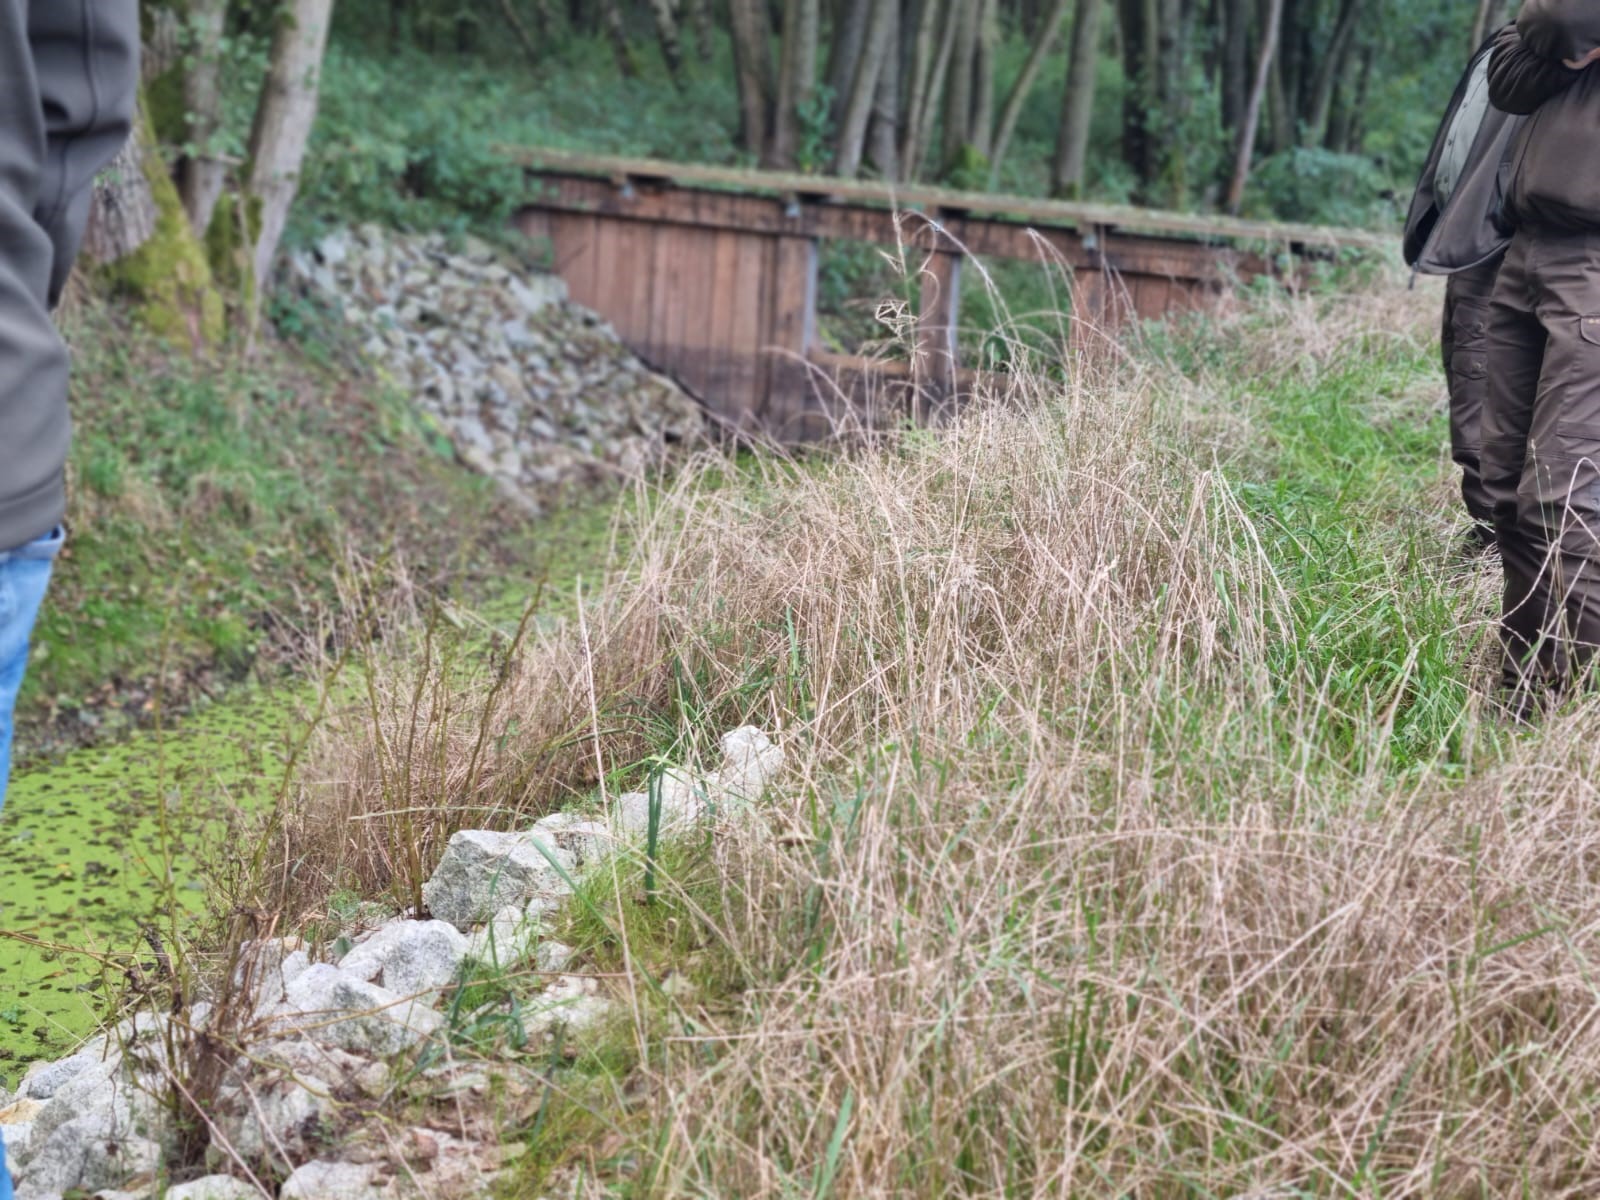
[1540, 453]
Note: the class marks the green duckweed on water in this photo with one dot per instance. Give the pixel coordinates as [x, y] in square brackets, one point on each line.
[95, 845]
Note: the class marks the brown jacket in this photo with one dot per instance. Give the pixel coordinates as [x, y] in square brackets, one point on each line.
[1555, 165]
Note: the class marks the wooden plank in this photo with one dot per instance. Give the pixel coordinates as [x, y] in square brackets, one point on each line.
[692, 269]
[757, 214]
[714, 330]
[667, 302]
[790, 327]
[938, 314]
[646, 172]
[635, 246]
[747, 324]
[612, 289]
[573, 242]
[1150, 295]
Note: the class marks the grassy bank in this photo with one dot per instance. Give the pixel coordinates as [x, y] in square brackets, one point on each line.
[1144, 833]
[220, 513]
[213, 504]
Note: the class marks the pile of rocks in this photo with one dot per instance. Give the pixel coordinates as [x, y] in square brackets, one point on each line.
[324, 1054]
[534, 391]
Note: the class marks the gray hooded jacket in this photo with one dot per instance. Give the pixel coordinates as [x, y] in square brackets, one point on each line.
[68, 81]
[1457, 218]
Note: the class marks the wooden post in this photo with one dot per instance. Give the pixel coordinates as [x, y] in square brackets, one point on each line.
[787, 411]
[938, 319]
[1091, 288]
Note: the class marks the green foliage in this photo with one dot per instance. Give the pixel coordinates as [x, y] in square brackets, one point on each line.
[1316, 185]
[815, 154]
[411, 139]
[210, 497]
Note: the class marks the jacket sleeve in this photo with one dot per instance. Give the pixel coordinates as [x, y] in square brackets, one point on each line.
[86, 61]
[1521, 80]
[1560, 29]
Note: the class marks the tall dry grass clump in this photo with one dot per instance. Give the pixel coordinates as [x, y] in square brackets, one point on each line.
[1101, 867]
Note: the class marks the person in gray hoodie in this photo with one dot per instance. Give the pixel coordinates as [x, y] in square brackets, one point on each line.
[69, 77]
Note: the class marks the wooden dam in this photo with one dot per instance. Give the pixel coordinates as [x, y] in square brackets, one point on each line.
[710, 275]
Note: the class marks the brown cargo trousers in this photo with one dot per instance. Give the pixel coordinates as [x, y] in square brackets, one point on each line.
[1465, 343]
[1540, 458]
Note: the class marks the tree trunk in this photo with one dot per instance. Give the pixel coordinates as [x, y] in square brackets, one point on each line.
[1077, 103]
[1044, 42]
[844, 53]
[529, 44]
[202, 174]
[1138, 64]
[1279, 100]
[284, 117]
[958, 91]
[617, 34]
[925, 47]
[665, 13]
[752, 57]
[1329, 71]
[879, 44]
[1235, 64]
[797, 76]
[1252, 114]
[883, 131]
[981, 136]
[122, 213]
[153, 262]
[700, 21]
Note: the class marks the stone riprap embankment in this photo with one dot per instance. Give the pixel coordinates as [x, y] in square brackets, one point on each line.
[346, 1074]
[533, 390]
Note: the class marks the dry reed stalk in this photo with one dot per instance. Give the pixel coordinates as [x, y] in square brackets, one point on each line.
[1073, 893]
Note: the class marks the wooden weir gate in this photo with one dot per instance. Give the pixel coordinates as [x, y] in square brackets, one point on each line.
[710, 275]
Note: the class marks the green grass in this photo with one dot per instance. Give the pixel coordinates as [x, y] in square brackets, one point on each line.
[213, 508]
[1339, 491]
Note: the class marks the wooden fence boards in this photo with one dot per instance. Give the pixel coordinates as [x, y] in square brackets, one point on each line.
[711, 275]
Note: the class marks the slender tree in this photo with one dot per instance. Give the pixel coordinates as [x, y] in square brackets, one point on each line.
[1044, 41]
[883, 131]
[284, 117]
[616, 30]
[875, 51]
[1252, 114]
[1077, 102]
[797, 79]
[665, 13]
[203, 172]
[752, 57]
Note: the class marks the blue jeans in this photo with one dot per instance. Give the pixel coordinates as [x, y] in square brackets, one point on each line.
[24, 575]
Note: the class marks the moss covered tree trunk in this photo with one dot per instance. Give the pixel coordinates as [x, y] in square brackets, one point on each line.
[150, 256]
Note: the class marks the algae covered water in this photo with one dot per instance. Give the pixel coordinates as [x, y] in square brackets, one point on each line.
[99, 844]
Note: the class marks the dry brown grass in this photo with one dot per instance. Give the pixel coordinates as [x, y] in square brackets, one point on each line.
[1082, 885]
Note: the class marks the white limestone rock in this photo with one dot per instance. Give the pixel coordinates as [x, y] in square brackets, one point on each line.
[483, 872]
[750, 763]
[508, 938]
[409, 957]
[213, 1187]
[323, 1180]
[571, 1002]
[329, 1005]
[93, 1151]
